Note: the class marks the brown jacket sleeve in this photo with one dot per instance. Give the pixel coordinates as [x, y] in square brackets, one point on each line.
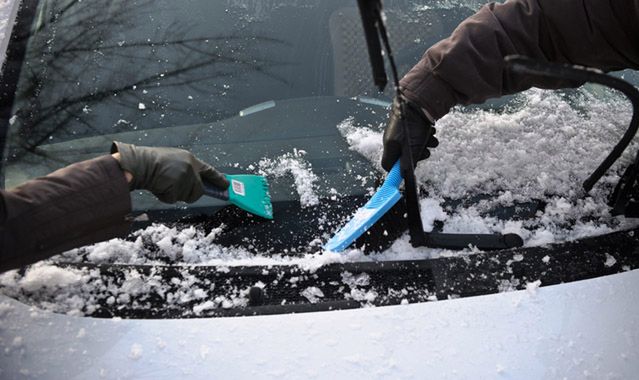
[468, 66]
[80, 204]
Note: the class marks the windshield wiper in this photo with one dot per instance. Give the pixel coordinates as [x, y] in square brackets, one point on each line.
[623, 198]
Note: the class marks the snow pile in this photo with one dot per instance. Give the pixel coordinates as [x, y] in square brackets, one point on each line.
[39, 278]
[80, 291]
[295, 165]
[313, 294]
[546, 147]
[357, 285]
[157, 244]
[363, 140]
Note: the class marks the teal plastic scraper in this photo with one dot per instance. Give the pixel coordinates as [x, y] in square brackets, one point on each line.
[385, 198]
[248, 192]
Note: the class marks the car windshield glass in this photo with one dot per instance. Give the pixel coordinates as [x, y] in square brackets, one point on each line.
[251, 87]
[284, 89]
[235, 82]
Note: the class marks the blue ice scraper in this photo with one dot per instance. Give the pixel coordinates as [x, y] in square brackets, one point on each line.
[385, 198]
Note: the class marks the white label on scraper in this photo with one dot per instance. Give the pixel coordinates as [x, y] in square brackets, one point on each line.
[238, 187]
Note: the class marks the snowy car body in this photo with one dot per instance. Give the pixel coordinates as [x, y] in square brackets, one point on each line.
[578, 330]
[585, 327]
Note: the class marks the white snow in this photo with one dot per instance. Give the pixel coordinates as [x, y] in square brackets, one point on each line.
[312, 294]
[531, 287]
[207, 305]
[364, 140]
[300, 169]
[42, 276]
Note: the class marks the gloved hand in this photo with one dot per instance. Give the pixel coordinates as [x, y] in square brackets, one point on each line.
[421, 131]
[171, 174]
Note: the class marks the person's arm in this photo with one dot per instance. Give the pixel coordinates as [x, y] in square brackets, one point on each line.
[80, 204]
[468, 66]
[88, 202]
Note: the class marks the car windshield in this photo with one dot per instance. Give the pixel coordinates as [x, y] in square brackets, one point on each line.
[284, 89]
[251, 87]
[281, 89]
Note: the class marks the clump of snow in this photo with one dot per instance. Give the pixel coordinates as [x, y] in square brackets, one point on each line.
[41, 276]
[363, 295]
[363, 279]
[301, 170]
[541, 237]
[431, 210]
[312, 294]
[532, 287]
[610, 261]
[158, 244]
[508, 285]
[357, 285]
[207, 305]
[364, 140]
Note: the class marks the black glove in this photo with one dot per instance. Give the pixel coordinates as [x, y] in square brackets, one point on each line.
[421, 131]
[171, 174]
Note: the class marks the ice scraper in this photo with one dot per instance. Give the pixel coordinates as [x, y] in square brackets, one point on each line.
[384, 198]
[246, 191]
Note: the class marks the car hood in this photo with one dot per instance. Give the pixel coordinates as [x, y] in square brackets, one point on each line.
[586, 327]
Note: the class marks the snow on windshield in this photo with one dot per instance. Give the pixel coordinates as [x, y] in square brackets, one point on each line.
[295, 165]
[541, 149]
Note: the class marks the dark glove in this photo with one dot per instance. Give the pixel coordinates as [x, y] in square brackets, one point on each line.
[171, 174]
[421, 131]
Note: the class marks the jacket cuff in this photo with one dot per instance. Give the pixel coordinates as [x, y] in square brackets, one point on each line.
[432, 94]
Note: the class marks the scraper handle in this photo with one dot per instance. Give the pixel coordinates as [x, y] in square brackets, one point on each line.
[394, 177]
[215, 192]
